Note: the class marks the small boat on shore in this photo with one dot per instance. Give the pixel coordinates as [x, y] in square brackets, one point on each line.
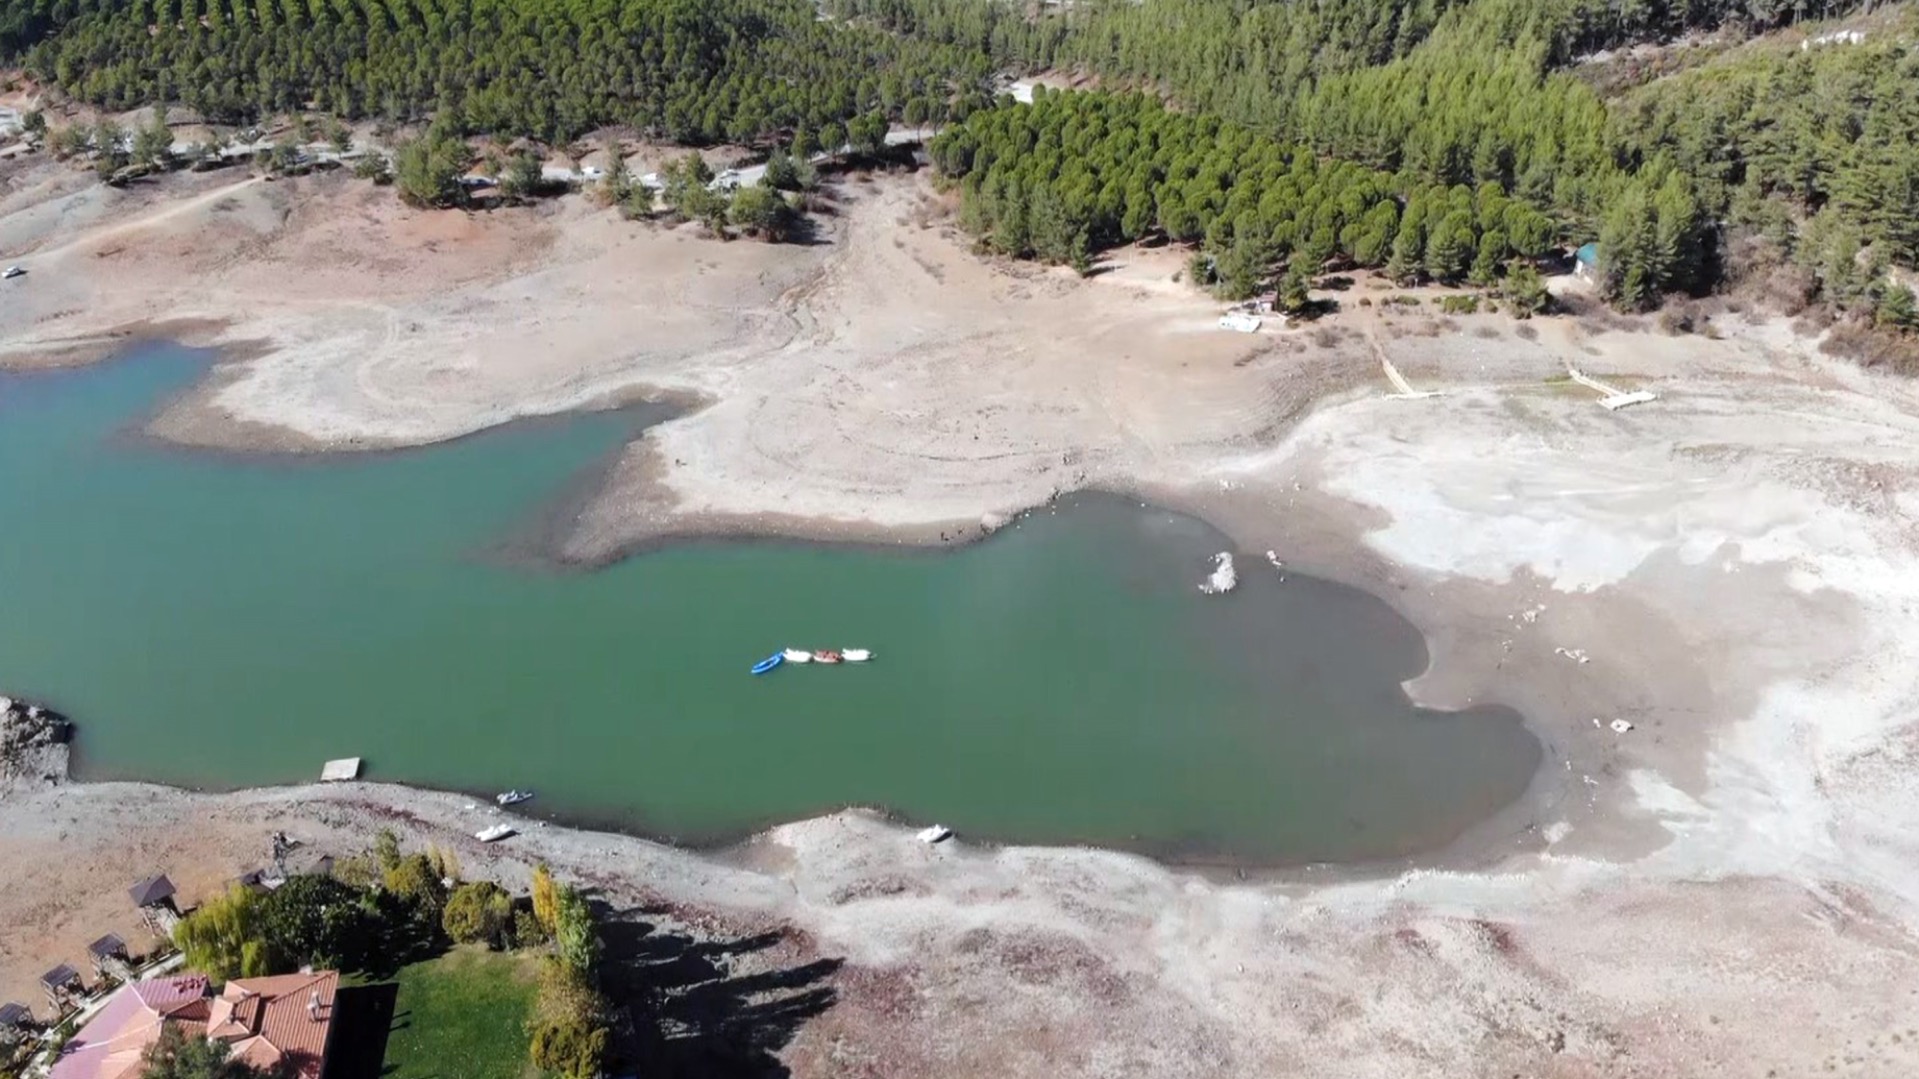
[828, 656]
[513, 797]
[938, 833]
[493, 834]
[768, 663]
[797, 655]
[856, 655]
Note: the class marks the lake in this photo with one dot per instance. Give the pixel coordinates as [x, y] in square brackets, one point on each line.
[216, 620]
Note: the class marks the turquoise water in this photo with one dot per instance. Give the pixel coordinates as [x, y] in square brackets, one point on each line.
[219, 621]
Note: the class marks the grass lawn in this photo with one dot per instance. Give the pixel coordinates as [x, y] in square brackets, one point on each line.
[462, 1016]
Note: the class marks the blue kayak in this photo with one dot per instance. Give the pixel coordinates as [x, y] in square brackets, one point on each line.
[769, 663]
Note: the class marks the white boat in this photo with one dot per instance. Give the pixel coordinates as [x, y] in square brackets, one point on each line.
[856, 655]
[938, 833]
[493, 834]
[794, 655]
[513, 797]
[13, 271]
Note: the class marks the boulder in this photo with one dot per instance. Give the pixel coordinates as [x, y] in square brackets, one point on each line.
[33, 745]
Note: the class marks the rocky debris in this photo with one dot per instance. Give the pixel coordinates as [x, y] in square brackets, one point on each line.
[33, 746]
[1224, 577]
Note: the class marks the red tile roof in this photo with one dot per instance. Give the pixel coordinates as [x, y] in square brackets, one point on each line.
[170, 994]
[286, 1018]
[269, 1022]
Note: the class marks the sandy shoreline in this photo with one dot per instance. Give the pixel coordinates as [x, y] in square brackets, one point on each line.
[1733, 570]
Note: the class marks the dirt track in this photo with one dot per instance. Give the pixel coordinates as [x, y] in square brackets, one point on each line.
[1730, 887]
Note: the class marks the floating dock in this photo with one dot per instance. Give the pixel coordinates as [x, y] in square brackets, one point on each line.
[340, 771]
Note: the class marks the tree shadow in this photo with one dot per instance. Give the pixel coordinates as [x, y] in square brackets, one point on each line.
[692, 1015]
[363, 1017]
[804, 232]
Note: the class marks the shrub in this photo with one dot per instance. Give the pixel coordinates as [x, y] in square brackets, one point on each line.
[1459, 305]
[1674, 321]
[478, 913]
[417, 880]
[527, 930]
[568, 1032]
[574, 1049]
[546, 898]
[575, 934]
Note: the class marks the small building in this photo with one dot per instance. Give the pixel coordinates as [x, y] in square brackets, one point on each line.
[109, 957]
[1586, 262]
[16, 1022]
[154, 897]
[62, 984]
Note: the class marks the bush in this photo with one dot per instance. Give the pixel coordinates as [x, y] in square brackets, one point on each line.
[523, 176]
[574, 1049]
[566, 995]
[546, 898]
[478, 913]
[1459, 305]
[761, 211]
[569, 1034]
[417, 880]
[569, 1031]
[575, 934]
[1675, 321]
[527, 930]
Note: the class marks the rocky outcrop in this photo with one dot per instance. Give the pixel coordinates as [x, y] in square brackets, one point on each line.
[33, 746]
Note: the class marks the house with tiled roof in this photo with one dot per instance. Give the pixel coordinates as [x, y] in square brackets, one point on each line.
[113, 1044]
[282, 1024]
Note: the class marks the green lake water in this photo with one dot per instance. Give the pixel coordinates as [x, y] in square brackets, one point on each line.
[220, 621]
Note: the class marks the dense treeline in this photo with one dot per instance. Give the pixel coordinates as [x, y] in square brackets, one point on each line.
[692, 70]
[1812, 149]
[1810, 154]
[1076, 172]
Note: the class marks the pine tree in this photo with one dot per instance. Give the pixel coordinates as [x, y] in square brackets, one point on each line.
[1897, 309]
[1408, 257]
[1491, 255]
[1451, 247]
[1525, 289]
